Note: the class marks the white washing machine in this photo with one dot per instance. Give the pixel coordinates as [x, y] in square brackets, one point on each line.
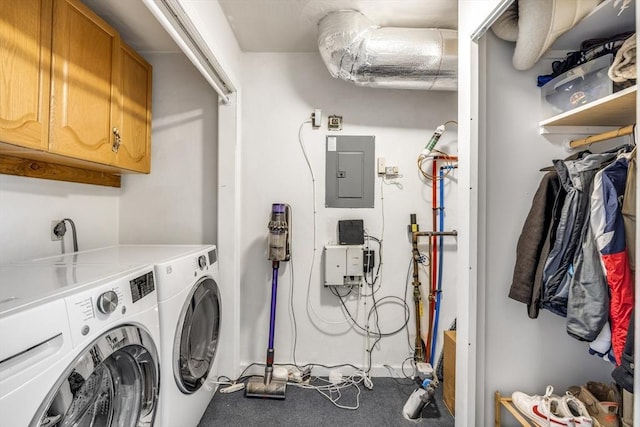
[80, 345]
[190, 307]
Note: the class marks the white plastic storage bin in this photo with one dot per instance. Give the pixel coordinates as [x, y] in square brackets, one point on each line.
[578, 86]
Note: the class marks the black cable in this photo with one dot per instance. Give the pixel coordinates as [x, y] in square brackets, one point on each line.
[370, 350]
[406, 288]
[406, 311]
[375, 304]
[355, 322]
[242, 377]
[334, 290]
[73, 233]
[375, 278]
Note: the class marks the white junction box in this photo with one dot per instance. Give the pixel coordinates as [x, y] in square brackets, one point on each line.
[343, 265]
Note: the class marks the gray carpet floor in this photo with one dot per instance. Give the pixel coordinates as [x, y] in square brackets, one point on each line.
[380, 406]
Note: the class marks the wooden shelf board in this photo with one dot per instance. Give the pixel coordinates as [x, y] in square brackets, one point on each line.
[39, 169]
[618, 109]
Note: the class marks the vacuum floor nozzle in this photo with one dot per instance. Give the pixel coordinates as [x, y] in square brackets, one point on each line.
[273, 389]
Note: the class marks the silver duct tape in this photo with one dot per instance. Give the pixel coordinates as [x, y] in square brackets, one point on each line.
[355, 49]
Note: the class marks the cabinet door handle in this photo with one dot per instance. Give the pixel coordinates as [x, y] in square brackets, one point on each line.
[116, 140]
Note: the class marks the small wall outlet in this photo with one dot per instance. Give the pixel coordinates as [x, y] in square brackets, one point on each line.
[391, 171]
[381, 164]
[316, 118]
[55, 236]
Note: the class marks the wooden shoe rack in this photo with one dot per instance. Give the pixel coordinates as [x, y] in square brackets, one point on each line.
[502, 401]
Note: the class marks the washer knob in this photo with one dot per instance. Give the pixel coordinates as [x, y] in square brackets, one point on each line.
[202, 262]
[107, 302]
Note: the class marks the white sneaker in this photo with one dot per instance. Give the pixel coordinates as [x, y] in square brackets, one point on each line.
[543, 410]
[571, 406]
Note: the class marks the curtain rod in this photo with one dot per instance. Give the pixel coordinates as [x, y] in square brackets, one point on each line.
[626, 130]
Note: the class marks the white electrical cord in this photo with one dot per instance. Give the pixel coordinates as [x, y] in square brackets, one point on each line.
[393, 182]
[328, 390]
[315, 212]
[382, 212]
[292, 316]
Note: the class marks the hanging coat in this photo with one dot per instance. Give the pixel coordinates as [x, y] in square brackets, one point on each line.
[588, 303]
[576, 177]
[525, 286]
[534, 243]
[608, 228]
[629, 211]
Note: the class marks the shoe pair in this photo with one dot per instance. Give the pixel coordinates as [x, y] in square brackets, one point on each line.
[552, 409]
[601, 401]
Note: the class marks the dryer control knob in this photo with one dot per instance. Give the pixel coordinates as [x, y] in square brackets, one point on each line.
[202, 262]
[107, 302]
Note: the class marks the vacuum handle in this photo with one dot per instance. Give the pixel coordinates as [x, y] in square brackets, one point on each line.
[274, 293]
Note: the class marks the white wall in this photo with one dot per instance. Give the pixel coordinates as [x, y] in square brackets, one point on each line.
[540, 350]
[176, 203]
[28, 205]
[279, 92]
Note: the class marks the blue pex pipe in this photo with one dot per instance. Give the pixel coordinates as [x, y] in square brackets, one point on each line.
[440, 243]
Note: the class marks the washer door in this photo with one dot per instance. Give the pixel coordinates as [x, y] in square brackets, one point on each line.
[114, 382]
[197, 334]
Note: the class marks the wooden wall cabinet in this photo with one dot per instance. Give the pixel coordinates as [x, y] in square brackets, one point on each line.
[25, 78]
[94, 107]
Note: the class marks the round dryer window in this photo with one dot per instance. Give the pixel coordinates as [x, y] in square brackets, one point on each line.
[197, 336]
[113, 382]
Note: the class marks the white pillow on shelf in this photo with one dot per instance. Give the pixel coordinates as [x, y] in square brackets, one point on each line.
[535, 24]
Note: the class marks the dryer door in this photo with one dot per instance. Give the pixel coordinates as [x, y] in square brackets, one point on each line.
[114, 382]
[197, 334]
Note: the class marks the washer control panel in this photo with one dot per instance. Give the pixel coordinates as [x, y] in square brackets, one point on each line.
[107, 302]
[101, 306]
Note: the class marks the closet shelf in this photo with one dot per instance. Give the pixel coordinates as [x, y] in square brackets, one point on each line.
[617, 109]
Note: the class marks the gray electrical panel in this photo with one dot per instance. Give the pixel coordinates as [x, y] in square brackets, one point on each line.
[350, 171]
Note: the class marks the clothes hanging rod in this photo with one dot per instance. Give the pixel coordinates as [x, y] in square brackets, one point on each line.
[626, 130]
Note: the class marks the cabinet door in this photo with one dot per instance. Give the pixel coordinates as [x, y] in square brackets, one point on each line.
[84, 67]
[134, 118]
[25, 54]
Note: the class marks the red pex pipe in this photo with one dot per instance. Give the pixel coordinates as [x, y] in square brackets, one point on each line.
[433, 271]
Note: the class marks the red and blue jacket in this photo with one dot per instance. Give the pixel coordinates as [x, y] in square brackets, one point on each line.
[608, 229]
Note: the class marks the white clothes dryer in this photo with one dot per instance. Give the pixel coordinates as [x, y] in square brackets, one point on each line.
[190, 303]
[80, 345]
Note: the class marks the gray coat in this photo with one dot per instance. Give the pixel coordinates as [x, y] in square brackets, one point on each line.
[576, 177]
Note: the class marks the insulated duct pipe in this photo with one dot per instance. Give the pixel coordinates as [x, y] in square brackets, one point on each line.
[357, 50]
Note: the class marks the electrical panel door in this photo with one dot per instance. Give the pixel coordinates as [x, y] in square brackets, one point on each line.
[350, 171]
